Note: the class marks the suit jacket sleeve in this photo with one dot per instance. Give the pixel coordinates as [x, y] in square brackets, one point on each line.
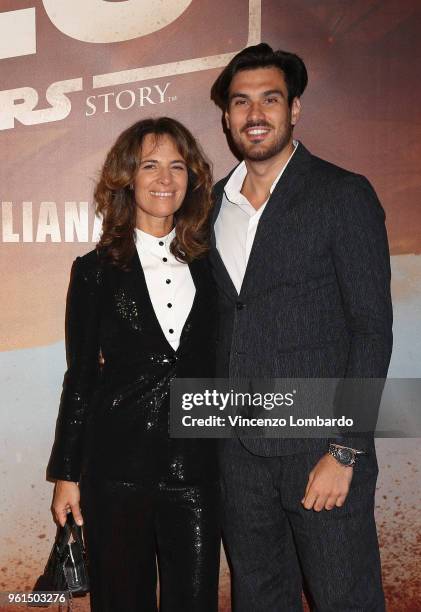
[362, 264]
[82, 347]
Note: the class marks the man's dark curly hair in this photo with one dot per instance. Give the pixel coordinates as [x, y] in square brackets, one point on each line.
[262, 56]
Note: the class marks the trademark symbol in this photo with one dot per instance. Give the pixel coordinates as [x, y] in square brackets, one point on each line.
[172, 98]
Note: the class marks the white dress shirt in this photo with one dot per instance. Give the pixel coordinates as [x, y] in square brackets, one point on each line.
[236, 225]
[170, 285]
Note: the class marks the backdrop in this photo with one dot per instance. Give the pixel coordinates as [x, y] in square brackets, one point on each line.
[73, 76]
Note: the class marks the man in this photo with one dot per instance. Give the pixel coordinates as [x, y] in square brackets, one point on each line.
[301, 260]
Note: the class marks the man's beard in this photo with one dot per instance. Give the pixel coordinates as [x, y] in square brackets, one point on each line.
[252, 152]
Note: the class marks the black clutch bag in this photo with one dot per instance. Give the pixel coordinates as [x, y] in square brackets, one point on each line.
[66, 568]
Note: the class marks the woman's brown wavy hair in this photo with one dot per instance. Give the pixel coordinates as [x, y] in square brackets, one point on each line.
[115, 200]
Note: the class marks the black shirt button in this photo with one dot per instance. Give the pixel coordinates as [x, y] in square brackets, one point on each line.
[169, 305]
[168, 281]
[161, 243]
[164, 259]
[171, 331]
[240, 305]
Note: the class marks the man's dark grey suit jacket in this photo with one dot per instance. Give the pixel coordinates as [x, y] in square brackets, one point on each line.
[315, 300]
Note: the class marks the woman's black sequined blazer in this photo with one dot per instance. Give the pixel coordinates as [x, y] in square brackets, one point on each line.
[113, 419]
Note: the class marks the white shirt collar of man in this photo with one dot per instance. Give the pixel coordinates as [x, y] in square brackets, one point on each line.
[236, 180]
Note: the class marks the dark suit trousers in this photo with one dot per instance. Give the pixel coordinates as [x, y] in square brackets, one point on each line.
[276, 547]
[130, 529]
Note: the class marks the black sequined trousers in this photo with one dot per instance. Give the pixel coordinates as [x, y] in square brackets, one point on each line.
[135, 532]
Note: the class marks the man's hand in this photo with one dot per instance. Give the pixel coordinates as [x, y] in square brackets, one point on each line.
[328, 484]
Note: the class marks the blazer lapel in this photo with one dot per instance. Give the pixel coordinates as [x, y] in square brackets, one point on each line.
[221, 275]
[198, 276]
[138, 281]
[280, 202]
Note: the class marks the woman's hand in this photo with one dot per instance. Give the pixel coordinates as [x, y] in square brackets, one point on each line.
[66, 498]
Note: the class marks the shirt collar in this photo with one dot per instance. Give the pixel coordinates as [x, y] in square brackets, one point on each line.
[151, 244]
[236, 180]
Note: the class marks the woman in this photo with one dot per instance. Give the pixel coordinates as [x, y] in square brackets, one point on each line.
[141, 311]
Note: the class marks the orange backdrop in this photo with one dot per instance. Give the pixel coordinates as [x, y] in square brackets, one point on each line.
[72, 81]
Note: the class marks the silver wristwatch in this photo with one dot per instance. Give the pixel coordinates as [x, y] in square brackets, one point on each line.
[346, 456]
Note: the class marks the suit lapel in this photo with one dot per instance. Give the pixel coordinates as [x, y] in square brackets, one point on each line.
[138, 281]
[222, 277]
[198, 274]
[195, 268]
[280, 202]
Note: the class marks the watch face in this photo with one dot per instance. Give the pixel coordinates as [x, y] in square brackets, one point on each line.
[345, 456]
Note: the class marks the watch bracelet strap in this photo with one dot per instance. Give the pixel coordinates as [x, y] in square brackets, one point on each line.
[354, 450]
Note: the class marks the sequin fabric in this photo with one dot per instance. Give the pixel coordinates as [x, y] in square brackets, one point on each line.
[178, 524]
[113, 418]
[112, 435]
[127, 308]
